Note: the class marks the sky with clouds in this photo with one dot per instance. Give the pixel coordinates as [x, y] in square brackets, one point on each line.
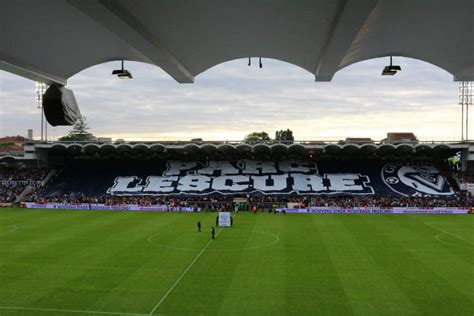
[231, 100]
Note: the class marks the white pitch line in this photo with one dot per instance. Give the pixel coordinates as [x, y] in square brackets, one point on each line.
[182, 275]
[442, 230]
[67, 311]
[21, 223]
[10, 231]
[449, 243]
[16, 226]
[277, 239]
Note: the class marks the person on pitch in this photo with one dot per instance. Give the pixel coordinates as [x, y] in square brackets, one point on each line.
[213, 232]
[199, 226]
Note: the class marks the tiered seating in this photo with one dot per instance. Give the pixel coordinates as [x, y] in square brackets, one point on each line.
[14, 179]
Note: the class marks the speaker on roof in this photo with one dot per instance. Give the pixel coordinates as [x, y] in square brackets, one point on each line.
[60, 106]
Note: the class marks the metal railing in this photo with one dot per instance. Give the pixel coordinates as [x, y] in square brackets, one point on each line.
[272, 142]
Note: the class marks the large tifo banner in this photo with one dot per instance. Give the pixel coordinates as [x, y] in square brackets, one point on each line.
[285, 177]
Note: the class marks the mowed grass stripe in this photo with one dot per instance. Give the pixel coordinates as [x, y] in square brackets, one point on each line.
[311, 282]
[154, 268]
[101, 288]
[420, 239]
[184, 273]
[421, 272]
[31, 239]
[49, 311]
[16, 217]
[366, 283]
[322, 264]
[56, 260]
[149, 282]
[20, 218]
[101, 236]
[206, 284]
[334, 298]
[442, 260]
[258, 275]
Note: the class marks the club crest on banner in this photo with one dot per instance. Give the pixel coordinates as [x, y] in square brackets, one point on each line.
[420, 179]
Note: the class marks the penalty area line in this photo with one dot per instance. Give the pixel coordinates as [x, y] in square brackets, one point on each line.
[442, 230]
[21, 223]
[182, 275]
[66, 311]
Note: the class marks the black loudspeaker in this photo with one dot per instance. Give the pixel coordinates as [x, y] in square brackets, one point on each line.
[60, 106]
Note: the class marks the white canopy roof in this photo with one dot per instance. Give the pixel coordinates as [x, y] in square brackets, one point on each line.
[51, 40]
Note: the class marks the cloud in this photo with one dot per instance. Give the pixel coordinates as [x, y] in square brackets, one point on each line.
[231, 100]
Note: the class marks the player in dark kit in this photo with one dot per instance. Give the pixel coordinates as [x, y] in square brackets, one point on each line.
[213, 232]
[199, 226]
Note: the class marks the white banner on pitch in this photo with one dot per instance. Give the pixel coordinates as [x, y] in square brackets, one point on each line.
[224, 219]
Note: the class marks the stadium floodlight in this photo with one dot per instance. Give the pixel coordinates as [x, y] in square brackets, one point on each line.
[122, 73]
[391, 69]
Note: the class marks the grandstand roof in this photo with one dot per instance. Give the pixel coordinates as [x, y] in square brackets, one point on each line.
[51, 40]
[301, 149]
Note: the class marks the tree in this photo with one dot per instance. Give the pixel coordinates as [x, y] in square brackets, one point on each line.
[6, 145]
[79, 132]
[284, 136]
[256, 137]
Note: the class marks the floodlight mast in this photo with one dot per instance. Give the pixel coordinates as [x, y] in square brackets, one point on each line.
[465, 99]
[40, 90]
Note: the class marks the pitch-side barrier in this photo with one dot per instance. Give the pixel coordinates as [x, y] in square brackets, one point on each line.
[375, 210]
[321, 210]
[103, 207]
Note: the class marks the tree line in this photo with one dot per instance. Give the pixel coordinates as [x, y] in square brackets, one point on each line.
[80, 132]
[284, 136]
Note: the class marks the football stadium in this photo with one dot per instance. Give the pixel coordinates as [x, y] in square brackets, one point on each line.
[260, 226]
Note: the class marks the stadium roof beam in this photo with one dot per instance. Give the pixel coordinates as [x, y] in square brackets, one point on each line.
[347, 23]
[124, 25]
[466, 75]
[23, 69]
[53, 40]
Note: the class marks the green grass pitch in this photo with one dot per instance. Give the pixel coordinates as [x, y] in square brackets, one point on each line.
[55, 262]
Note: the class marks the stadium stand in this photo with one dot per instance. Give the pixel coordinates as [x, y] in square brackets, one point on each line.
[251, 177]
[15, 179]
[214, 203]
[465, 178]
[265, 185]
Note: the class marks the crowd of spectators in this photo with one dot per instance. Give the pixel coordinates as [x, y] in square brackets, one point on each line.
[266, 202]
[465, 178]
[211, 203]
[14, 179]
[460, 199]
[9, 193]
